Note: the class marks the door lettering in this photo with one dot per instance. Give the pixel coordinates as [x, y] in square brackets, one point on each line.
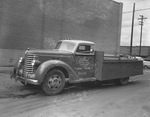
[84, 62]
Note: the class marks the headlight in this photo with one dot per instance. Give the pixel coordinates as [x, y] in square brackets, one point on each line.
[35, 62]
[19, 63]
[21, 60]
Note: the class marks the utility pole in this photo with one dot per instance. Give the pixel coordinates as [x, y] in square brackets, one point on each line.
[62, 19]
[43, 24]
[141, 22]
[132, 29]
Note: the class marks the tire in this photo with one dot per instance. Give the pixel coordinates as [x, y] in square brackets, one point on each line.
[54, 82]
[146, 67]
[122, 81]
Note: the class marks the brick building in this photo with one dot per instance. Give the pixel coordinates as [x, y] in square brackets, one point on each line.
[41, 23]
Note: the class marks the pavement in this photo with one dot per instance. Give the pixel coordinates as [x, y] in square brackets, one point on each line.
[87, 100]
[5, 70]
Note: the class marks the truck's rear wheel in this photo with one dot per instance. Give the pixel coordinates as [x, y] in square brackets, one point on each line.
[54, 82]
[122, 81]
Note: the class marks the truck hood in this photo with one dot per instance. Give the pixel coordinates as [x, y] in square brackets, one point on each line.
[45, 52]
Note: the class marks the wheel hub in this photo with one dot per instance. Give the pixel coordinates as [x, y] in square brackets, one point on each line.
[54, 82]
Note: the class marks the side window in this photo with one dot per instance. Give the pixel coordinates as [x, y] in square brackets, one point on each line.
[84, 48]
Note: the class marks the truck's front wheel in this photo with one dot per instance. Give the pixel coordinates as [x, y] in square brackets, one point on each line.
[54, 82]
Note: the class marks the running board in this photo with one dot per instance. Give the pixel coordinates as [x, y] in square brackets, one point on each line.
[83, 80]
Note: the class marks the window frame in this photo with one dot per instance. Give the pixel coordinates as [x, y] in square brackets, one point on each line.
[84, 52]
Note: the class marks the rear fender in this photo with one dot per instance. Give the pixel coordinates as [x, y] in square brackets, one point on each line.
[45, 67]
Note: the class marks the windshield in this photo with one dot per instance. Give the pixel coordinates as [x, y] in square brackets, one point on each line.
[67, 46]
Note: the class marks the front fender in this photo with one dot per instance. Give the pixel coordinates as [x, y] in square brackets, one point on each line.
[14, 72]
[46, 66]
[17, 65]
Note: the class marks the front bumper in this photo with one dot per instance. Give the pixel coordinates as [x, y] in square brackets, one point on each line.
[24, 79]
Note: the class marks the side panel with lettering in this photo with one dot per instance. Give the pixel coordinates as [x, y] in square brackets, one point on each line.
[84, 65]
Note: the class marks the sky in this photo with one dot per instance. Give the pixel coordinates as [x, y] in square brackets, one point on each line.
[142, 7]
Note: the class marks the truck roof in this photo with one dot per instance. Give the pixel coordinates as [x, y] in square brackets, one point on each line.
[79, 41]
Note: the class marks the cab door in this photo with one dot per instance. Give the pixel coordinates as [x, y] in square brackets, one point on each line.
[84, 61]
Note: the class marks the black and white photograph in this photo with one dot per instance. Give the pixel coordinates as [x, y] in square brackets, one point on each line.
[74, 58]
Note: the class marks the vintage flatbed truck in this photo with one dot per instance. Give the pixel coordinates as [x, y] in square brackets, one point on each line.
[72, 61]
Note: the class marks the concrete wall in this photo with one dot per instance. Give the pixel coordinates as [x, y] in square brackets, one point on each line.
[20, 24]
[41, 23]
[10, 56]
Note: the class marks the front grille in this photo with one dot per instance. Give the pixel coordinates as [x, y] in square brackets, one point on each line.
[28, 68]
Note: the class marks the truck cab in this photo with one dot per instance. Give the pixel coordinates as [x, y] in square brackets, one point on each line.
[82, 56]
